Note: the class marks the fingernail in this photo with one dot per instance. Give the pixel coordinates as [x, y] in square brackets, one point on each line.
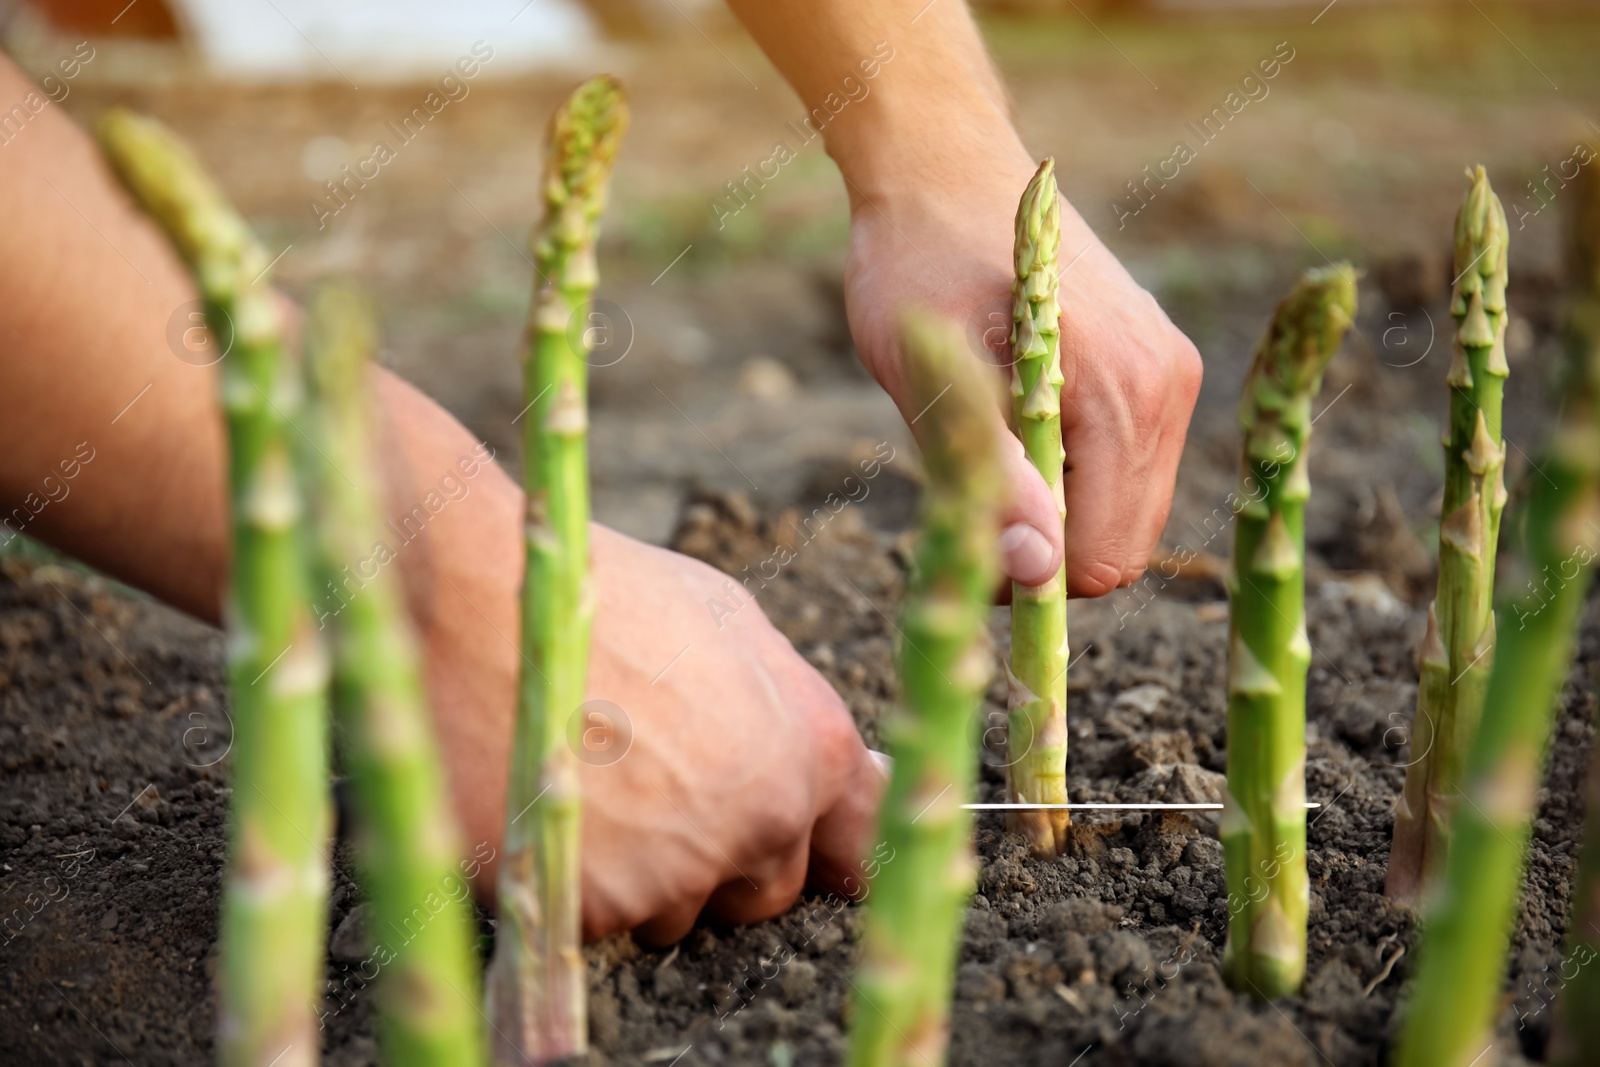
[1026, 553]
[884, 761]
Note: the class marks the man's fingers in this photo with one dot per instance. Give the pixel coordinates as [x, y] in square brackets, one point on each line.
[1118, 492]
[762, 894]
[670, 928]
[843, 835]
[1030, 531]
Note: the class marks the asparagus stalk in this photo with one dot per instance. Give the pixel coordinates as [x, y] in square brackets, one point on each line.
[1037, 677]
[913, 926]
[1576, 1039]
[1458, 650]
[274, 906]
[410, 847]
[536, 980]
[1462, 957]
[1264, 821]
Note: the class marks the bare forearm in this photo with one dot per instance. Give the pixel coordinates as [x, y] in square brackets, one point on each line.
[112, 448]
[933, 113]
[88, 289]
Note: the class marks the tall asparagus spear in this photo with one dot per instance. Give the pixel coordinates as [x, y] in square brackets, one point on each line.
[536, 980]
[429, 991]
[1575, 466]
[1458, 650]
[913, 925]
[274, 897]
[1264, 822]
[1462, 958]
[1037, 677]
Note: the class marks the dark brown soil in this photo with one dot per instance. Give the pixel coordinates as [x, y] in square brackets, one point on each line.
[115, 783]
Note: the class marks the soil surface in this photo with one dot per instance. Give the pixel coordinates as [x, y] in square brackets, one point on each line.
[114, 736]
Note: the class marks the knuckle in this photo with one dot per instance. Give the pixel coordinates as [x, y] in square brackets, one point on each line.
[1097, 577]
[837, 738]
[1188, 367]
[786, 826]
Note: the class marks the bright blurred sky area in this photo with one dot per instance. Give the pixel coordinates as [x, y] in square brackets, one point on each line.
[379, 38]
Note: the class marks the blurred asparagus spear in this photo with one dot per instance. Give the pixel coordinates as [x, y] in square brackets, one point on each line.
[1507, 762]
[1037, 676]
[274, 896]
[536, 980]
[1458, 650]
[410, 848]
[1263, 827]
[913, 925]
[1576, 1035]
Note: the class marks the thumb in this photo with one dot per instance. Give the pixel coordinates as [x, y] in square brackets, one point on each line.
[1031, 537]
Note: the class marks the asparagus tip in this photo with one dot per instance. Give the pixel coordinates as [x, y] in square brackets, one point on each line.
[959, 445]
[585, 132]
[1038, 219]
[341, 330]
[168, 180]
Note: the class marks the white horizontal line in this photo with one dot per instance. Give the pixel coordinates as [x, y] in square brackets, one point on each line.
[1103, 807]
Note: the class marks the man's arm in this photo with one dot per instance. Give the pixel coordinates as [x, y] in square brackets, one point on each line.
[742, 744]
[934, 169]
[934, 117]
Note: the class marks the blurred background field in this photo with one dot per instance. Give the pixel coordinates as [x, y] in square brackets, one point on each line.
[733, 363]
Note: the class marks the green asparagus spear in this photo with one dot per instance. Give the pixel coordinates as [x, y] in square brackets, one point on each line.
[1037, 677]
[410, 847]
[1461, 962]
[913, 925]
[1458, 650]
[1264, 821]
[274, 906]
[536, 980]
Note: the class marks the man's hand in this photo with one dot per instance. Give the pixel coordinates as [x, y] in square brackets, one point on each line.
[934, 171]
[743, 763]
[742, 769]
[1131, 376]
